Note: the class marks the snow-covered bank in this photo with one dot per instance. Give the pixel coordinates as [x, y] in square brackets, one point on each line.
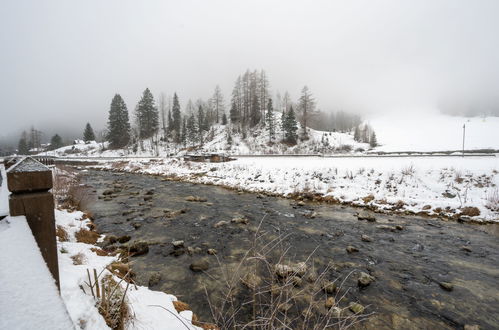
[434, 185]
[148, 309]
[29, 298]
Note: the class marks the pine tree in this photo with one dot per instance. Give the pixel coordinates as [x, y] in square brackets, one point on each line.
[118, 124]
[22, 146]
[170, 123]
[224, 119]
[183, 134]
[283, 124]
[192, 131]
[176, 119]
[88, 133]
[147, 115]
[373, 142]
[291, 127]
[270, 120]
[56, 142]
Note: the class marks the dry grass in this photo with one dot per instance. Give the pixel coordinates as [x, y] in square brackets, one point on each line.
[79, 259]
[86, 236]
[99, 252]
[61, 233]
[470, 211]
[493, 200]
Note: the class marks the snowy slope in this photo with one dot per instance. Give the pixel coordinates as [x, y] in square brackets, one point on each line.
[434, 132]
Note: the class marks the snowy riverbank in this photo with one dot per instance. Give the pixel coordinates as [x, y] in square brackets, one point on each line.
[450, 186]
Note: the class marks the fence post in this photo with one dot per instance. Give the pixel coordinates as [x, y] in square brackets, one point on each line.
[29, 181]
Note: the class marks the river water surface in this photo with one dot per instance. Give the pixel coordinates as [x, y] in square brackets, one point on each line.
[407, 263]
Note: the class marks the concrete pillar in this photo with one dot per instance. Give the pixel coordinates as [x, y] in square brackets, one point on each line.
[29, 181]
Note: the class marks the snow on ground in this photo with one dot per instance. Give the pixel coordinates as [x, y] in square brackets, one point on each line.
[29, 298]
[421, 183]
[434, 132]
[150, 309]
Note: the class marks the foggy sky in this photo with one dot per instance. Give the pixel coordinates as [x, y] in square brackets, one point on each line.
[61, 62]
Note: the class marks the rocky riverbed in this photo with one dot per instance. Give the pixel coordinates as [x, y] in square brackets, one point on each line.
[409, 272]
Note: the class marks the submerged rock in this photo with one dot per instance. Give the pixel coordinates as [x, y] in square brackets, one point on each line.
[138, 248]
[366, 238]
[329, 287]
[240, 220]
[446, 286]
[220, 224]
[154, 279]
[364, 279]
[330, 302]
[352, 249]
[356, 308]
[195, 199]
[200, 265]
[363, 215]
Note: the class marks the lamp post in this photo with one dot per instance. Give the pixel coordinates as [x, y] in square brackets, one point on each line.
[464, 134]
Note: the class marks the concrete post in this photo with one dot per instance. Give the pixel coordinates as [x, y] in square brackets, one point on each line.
[29, 181]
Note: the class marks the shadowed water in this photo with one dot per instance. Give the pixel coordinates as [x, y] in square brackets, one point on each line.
[408, 264]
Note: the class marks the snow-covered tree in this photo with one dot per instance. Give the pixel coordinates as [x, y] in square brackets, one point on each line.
[217, 102]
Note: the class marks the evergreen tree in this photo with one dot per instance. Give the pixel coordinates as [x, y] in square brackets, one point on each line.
[255, 111]
[56, 142]
[291, 127]
[22, 146]
[270, 120]
[192, 129]
[234, 113]
[88, 133]
[373, 142]
[283, 124]
[229, 138]
[183, 134]
[147, 115]
[176, 119]
[356, 134]
[224, 119]
[118, 125]
[217, 104]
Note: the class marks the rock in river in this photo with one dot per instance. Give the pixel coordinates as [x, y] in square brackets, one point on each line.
[366, 216]
[364, 279]
[200, 265]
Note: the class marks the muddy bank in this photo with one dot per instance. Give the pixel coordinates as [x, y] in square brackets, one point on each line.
[411, 259]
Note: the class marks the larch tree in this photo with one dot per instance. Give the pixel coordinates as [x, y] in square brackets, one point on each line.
[118, 125]
[306, 106]
[217, 102]
[88, 133]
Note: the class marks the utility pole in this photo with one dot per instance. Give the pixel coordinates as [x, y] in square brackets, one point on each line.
[464, 134]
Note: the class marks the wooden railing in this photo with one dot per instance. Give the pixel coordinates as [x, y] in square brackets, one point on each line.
[29, 182]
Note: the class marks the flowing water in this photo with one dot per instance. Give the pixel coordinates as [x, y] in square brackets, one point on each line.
[407, 263]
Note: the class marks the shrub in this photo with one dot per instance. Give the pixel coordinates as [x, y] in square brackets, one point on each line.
[61, 233]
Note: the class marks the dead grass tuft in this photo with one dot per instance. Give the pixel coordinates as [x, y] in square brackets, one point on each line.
[180, 306]
[61, 233]
[99, 252]
[86, 236]
[470, 211]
